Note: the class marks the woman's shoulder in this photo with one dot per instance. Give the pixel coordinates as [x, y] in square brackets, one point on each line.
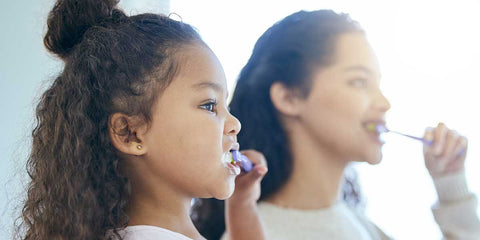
[147, 232]
[316, 222]
[370, 226]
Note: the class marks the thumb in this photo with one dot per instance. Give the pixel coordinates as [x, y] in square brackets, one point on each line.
[257, 159]
[256, 175]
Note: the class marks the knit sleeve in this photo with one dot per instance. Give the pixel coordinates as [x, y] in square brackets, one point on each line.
[456, 209]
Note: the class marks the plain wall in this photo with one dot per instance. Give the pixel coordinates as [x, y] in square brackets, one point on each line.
[25, 70]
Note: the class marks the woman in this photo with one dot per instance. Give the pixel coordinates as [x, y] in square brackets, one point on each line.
[305, 99]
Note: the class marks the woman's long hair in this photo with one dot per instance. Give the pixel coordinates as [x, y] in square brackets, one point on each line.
[113, 63]
[288, 52]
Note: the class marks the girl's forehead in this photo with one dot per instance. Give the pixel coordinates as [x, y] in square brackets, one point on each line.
[197, 58]
[198, 68]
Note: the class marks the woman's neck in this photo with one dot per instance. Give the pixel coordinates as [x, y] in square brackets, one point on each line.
[316, 175]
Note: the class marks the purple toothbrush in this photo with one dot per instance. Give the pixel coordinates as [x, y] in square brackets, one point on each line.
[245, 163]
[381, 128]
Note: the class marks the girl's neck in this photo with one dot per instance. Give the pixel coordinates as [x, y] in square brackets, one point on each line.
[166, 210]
[316, 175]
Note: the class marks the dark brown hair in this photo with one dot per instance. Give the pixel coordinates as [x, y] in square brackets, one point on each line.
[288, 52]
[113, 63]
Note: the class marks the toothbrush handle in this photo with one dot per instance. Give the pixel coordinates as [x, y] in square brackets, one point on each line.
[426, 142]
[245, 163]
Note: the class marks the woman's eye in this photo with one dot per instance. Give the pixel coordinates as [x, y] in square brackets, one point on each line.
[359, 82]
[210, 106]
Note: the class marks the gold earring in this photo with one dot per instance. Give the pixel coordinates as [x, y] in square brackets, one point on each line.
[139, 147]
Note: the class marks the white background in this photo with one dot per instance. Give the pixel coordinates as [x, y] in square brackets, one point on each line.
[429, 55]
[428, 51]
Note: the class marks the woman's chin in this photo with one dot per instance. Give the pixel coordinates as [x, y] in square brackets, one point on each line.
[374, 160]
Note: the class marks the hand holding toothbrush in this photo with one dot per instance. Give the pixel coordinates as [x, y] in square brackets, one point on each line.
[444, 149]
[242, 220]
[446, 155]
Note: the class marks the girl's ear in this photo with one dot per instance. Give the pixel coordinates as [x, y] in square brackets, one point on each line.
[285, 100]
[126, 135]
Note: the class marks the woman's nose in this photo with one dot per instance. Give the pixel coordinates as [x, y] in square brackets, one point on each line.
[381, 102]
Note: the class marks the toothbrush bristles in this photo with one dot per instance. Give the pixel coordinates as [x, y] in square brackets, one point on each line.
[372, 127]
[376, 127]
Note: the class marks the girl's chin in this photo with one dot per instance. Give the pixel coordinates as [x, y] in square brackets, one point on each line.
[228, 191]
[223, 196]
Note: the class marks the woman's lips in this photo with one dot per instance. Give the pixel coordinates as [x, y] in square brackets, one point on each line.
[372, 128]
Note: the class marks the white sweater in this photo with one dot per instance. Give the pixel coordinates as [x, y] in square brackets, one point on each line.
[147, 232]
[455, 213]
[336, 222]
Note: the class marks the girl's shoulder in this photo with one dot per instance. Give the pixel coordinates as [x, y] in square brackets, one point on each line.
[147, 232]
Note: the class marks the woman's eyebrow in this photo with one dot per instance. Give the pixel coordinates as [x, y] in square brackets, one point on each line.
[358, 68]
[364, 69]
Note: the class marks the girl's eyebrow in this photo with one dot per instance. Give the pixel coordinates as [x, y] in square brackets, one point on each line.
[215, 86]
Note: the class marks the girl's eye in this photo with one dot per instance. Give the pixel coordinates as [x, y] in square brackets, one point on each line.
[210, 106]
[358, 82]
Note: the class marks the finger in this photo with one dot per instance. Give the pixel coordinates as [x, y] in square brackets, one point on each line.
[450, 144]
[447, 156]
[461, 146]
[459, 154]
[260, 167]
[428, 135]
[252, 177]
[439, 139]
[256, 157]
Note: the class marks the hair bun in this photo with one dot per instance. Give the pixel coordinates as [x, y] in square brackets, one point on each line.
[70, 19]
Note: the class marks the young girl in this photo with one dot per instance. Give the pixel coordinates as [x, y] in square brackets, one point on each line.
[134, 127]
[306, 98]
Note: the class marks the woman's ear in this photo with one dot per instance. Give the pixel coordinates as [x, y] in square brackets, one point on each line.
[287, 101]
[126, 134]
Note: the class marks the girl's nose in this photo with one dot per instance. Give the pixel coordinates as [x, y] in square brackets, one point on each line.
[232, 125]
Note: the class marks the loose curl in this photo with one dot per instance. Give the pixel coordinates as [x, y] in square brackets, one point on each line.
[288, 52]
[113, 63]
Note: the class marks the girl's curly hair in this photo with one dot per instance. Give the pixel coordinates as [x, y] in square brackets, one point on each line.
[113, 63]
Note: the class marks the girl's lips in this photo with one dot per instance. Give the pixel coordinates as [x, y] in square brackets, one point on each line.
[229, 164]
[234, 169]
